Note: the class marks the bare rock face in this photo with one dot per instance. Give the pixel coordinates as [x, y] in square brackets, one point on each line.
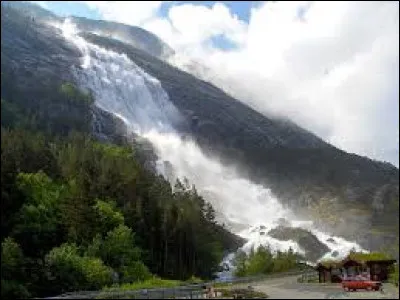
[335, 254]
[283, 222]
[135, 36]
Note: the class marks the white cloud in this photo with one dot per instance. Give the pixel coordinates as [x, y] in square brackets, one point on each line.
[189, 27]
[128, 12]
[333, 69]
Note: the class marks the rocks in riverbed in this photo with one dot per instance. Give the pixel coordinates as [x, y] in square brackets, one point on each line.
[331, 240]
[335, 254]
[283, 222]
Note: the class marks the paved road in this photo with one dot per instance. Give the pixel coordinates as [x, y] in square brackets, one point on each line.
[289, 288]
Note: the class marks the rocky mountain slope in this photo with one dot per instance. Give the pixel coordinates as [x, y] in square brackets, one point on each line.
[351, 195]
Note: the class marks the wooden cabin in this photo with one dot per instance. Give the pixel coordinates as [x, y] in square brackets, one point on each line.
[329, 271]
[374, 266]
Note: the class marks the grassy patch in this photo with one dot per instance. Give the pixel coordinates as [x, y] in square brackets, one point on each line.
[194, 280]
[376, 256]
[117, 291]
[147, 284]
[242, 293]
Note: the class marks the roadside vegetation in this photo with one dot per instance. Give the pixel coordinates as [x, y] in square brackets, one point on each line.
[394, 276]
[154, 282]
[263, 261]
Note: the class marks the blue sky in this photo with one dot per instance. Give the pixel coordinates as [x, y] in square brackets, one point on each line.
[70, 8]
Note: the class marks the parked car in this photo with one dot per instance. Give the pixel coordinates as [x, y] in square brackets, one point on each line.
[353, 284]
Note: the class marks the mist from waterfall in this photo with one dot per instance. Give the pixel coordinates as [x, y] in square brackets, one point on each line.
[122, 88]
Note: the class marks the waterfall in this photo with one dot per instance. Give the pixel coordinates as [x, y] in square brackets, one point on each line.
[122, 88]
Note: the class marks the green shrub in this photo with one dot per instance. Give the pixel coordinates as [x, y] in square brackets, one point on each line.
[71, 271]
[394, 276]
[194, 280]
[96, 274]
[11, 257]
[118, 248]
[11, 289]
[135, 271]
[74, 95]
[12, 270]
[108, 215]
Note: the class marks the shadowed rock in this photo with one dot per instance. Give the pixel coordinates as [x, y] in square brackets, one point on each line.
[313, 248]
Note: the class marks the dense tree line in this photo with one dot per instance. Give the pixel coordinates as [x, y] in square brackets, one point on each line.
[264, 261]
[79, 214]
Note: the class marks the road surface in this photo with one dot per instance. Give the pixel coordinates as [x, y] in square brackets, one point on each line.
[289, 288]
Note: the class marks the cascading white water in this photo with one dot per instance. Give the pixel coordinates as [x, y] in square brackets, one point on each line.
[119, 86]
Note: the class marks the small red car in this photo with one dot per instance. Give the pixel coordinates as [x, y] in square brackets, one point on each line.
[358, 284]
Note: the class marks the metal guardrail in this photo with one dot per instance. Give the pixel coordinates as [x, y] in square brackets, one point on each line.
[261, 277]
[308, 277]
[191, 291]
[167, 293]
